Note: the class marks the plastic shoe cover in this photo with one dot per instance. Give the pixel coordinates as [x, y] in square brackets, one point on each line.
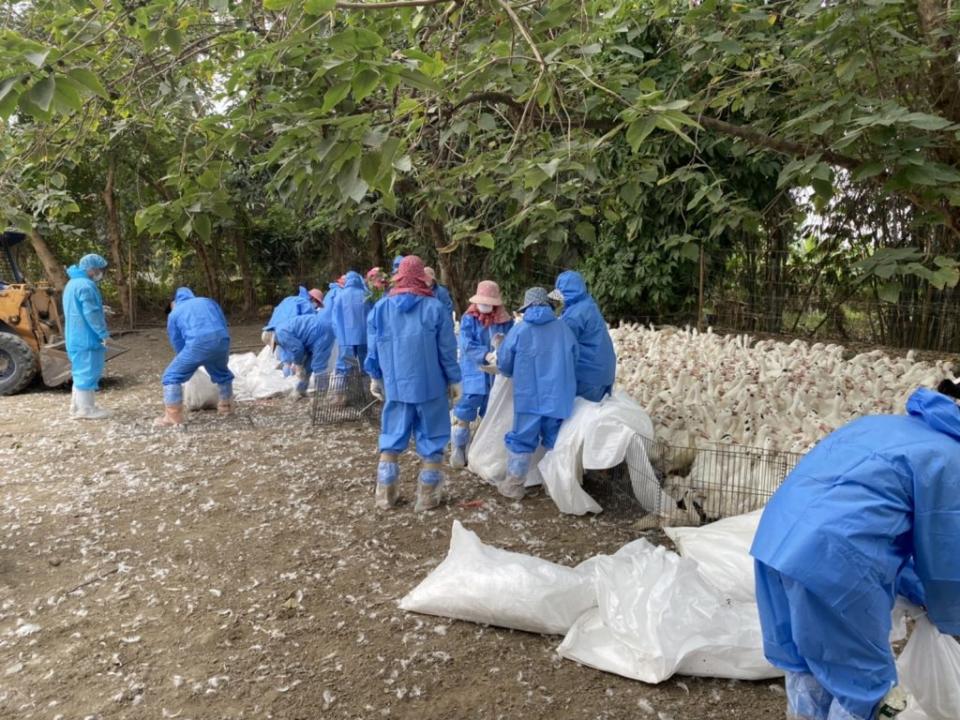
[458, 448]
[512, 487]
[74, 405]
[807, 699]
[838, 712]
[87, 406]
[429, 490]
[388, 490]
[387, 496]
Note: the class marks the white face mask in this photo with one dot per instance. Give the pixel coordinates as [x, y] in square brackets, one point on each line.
[485, 309]
[98, 276]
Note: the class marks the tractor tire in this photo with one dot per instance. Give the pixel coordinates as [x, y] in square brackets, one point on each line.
[18, 364]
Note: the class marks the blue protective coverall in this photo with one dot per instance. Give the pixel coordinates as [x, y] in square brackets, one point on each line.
[540, 354]
[85, 327]
[412, 348]
[475, 343]
[199, 335]
[349, 310]
[872, 510]
[396, 263]
[309, 340]
[597, 366]
[286, 309]
[443, 295]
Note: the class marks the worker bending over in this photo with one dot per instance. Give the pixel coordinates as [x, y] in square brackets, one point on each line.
[290, 307]
[199, 335]
[412, 360]
[349, 310]
[597, 366]
[308, 340]
[540, 354]
[872, 511]
[85, 327]
[482, 329]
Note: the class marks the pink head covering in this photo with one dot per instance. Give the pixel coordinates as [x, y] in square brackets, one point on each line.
[316, 295]
[488, 293]
[410, 278]
[376, 277]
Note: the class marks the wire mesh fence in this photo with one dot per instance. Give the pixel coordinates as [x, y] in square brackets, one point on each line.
[341, 398]
[690, 486]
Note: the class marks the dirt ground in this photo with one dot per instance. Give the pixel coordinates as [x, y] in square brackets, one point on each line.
[238, 569]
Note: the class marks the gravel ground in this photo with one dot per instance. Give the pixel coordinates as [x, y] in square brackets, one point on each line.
[238, 569]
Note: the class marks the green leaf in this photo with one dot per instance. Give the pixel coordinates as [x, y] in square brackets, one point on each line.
[550, 168]
[275, 5]
[485, 240]
[201, 223]
[486, 121]
[639, 130]
[173, 39]
[586, 232]
[37, 58]
[208, 180]
[319, 7]
[415, 78]
[364, 83]
[89, 81]
[150, 38]
[868, 170]
[334, 95]
[350, 183]
[923, 121]
[370, 167]
[889, 292]
[8, 98]
[403, 164]
[65, 97]
[485, 186]
[41, 94]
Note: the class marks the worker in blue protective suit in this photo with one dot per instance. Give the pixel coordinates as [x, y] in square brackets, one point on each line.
[540, 354]
[482, 329]
[872, 511]
[439, 291]
[85, 327]
[396, 263]
[349, 310]
[290, 307]
[309, 340]
[597, 366]
[199, 335]
[412, 360]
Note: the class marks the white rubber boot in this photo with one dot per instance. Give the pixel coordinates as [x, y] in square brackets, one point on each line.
[87, 406]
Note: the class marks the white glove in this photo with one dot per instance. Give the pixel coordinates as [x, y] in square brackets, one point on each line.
[454, 392]
[376, 389]
[497, 339]
[491, 358]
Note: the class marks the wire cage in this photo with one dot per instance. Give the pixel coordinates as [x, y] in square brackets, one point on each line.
[341, 398]
[690, 486]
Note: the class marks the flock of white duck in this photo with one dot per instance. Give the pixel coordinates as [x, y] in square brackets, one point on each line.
[705, 390]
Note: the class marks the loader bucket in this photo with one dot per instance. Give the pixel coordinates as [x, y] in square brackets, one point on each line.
[55, 365]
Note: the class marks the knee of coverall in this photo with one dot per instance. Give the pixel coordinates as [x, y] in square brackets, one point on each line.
[469, 407]
[183, 366]
[432, 428]
[396, 425]
[549, 430]
[525, 435]
[773, 606]
[86, 366]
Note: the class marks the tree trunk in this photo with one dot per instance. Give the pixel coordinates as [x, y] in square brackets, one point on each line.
[246, 276]
[115, 237]
[51, 266]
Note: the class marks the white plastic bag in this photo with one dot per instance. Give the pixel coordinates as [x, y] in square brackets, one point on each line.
[657, 616]
[259, 376]
[929, 669]
[200, 392]
[483, 584]
[722, 550]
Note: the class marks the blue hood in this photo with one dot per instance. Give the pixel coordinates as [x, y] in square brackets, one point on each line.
[406, 301]
[539, 315]
[354, 280]
[936, 410]
[182, 294]
[572, 286]
[303, 294]
[75, 273]
[396, 262]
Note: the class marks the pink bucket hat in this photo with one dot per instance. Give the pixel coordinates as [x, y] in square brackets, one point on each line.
[316, 295]
[488, 293]
[431, 274]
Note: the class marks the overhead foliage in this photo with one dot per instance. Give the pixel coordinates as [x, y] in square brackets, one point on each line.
[631, 137]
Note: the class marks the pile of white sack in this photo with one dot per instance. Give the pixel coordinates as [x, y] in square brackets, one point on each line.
[257, 377]
[648, 613]
[598, 436]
